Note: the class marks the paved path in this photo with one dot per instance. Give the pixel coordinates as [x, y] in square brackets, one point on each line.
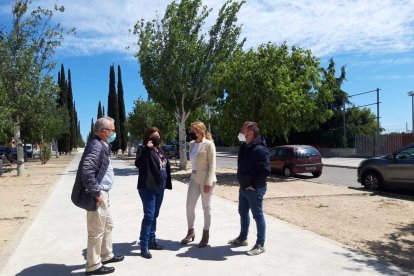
[55, 242]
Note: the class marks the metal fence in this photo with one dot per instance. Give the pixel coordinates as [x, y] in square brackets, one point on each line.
[376, 145]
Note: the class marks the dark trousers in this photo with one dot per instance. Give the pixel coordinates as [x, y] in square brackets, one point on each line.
[151, 203]
[252, 200]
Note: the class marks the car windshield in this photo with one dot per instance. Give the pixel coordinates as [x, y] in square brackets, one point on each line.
[306, 152]
[405, 154]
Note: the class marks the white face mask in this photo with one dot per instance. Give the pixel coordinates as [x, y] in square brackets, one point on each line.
[241, 137]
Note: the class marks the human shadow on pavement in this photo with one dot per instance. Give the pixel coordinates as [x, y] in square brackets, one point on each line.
[126, 171]
[52, 270]
[125, 249]
[210, 253]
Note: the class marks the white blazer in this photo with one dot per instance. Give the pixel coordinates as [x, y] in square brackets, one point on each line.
[205, 160]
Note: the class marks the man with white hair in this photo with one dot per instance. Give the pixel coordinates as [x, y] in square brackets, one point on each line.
[93, 181]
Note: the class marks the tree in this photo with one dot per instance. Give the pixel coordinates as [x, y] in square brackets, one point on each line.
[92, 131]
[100, 113]
[122, 115]
[149, 114]
[71, 110]
[63, 139]
[331, 133]
[113, 109]
[275, 86]
[26, 60]
[177, 60]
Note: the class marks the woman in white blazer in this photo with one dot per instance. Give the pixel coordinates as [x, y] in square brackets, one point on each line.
[203, 176]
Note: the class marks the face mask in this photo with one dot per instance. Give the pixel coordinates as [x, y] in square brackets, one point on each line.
[155, 141]
[193, 136]
[241, 137]
[112, 137]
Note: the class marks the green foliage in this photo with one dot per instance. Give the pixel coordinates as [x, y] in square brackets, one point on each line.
[149, 114]
[273, 86]
[92, 131]
[178, 60]
[45, 153]
[48, 121]
[100, 112]
[113, 109]
[122, 114]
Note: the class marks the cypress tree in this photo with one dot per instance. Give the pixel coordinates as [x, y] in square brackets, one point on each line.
[76, 125]
[92, 132]
[113, 109]
[100, 114]
[72, 136]
[103, 111]
[63, 140]
[122, 115]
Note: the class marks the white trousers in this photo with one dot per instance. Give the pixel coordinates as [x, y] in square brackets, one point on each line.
[195, 189]
[100, 226]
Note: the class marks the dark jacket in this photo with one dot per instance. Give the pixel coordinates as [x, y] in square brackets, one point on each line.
[148, 163]
[91, 170]
[253, 165]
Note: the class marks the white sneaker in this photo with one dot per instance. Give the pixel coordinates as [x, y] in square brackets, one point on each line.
[256, 250]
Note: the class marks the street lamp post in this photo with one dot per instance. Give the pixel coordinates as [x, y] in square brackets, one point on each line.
[411, 94]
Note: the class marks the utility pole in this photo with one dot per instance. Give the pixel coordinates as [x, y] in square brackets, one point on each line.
[411, 94]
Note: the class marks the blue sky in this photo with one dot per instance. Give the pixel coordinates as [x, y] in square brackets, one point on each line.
[374, 39]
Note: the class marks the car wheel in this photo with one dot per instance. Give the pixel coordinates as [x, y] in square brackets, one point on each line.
[287, 172]
[316, 174]
[372, 181]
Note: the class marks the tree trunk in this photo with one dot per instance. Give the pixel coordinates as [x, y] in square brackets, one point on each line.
[19, 148]
[182, 118]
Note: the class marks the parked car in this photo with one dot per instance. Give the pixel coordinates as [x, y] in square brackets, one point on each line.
[171, 150]
[29, 150]
[396, 169]
[293, 159]
[4, 151]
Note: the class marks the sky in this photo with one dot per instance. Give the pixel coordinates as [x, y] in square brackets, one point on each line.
[373, 39]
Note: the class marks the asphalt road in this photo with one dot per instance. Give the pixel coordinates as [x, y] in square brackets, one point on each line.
[330, 175]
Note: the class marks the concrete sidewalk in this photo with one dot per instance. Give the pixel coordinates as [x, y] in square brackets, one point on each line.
[55, 242]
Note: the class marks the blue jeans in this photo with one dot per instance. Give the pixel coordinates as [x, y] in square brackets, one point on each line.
[253, 200]
[151, 203]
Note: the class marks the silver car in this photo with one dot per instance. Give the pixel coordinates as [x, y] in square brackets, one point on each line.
[393, 169]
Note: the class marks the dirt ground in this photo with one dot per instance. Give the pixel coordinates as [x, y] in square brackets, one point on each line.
[378, 224]
[20, 197]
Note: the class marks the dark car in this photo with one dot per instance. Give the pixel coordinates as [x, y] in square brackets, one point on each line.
[171, 150]
[293, 159]
[4, 151]
[393, 169]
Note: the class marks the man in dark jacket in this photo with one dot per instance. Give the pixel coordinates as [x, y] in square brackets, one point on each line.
[93, 181]
[253, 167]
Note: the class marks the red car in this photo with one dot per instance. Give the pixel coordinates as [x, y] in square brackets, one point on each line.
[292, 159]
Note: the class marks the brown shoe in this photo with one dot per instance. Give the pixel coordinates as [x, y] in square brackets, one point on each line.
[204, 239]
[189, 238]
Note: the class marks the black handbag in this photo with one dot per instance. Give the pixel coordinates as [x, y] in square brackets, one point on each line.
[81, 198]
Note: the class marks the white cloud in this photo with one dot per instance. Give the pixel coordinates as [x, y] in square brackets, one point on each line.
[326, 27]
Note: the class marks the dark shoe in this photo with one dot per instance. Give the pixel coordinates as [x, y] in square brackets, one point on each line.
[145, 253]
[189, 238]
[101, 271]
[114, 259]
[204, 239]
[155, 246]
[238, 242]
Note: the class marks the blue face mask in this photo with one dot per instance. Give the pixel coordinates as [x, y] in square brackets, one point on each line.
[112, 137]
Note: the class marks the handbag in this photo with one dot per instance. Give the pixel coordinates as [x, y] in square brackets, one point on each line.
[81, 198]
